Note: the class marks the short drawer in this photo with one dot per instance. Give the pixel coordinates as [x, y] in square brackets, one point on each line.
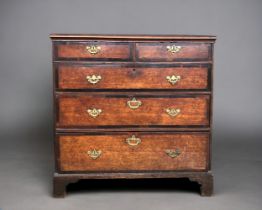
[135, 152]
[95, 51]
[91, 110]
[173, 51]
[84, 76]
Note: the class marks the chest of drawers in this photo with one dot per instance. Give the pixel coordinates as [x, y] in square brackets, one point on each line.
[132, 107]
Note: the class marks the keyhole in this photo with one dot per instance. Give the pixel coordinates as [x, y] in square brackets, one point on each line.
[133, 73]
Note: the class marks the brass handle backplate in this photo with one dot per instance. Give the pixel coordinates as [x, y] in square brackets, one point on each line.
[133, 141]
[93, 79]
[94, 112]
[173, 112]
[173, 48]
[94, 154]
[134, 104]
[93, 49]
[173, 79]
[173, 153]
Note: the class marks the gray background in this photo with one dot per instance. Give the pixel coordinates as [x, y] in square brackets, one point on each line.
[26, 158]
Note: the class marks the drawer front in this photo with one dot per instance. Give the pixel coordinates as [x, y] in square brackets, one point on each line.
[92, 51]
[118, 77]
[173, 51]
[123, 152]
[89, 110]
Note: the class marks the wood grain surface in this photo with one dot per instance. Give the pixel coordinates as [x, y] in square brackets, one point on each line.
[77, 50]
[194, 110]
[117, 155]
[132, 66]
[118, 77]
[159, 52]
[133, 37]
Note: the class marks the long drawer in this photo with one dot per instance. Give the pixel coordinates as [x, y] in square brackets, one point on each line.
[91, 109]
[129, 151]
[90, 76]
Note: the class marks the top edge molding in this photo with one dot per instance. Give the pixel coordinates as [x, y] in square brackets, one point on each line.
[132, 37]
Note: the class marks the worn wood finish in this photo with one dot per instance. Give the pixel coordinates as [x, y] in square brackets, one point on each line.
[134, 37]
[204, 179]
[159, 52]
[118, 77]
[78, 51]
[115, 111]
[132, 66]
[136, 128]
[118, 155]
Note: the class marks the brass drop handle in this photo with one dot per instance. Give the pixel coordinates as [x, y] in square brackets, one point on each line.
[134, 104]
[94, 154]
[93, 79]
[173, 79]
[173, 153]
[173, 48]
[94, 112]
[133, 141]
[173, 112]
[93, 49]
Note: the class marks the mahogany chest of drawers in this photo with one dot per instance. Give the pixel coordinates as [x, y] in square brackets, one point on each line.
[132, 107]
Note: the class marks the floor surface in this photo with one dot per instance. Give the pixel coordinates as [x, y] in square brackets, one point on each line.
[26, 182]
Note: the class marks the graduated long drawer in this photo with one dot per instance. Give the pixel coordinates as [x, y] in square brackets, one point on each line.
[114, 76]
[91, 109]
[130, 151]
